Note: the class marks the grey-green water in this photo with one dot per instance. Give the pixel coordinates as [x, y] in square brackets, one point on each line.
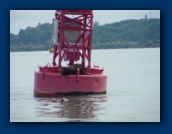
[133, 89]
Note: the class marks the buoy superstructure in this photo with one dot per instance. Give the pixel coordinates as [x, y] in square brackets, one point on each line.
[72, 43]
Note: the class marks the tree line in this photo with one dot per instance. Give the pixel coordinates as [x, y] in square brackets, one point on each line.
[143, 33]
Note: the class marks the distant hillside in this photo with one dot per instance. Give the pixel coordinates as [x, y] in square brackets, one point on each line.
[125, 34]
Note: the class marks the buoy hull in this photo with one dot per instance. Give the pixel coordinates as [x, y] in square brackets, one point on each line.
[55, 84]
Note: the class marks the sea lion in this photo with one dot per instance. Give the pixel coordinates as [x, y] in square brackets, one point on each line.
[64, 99]
[73, 69]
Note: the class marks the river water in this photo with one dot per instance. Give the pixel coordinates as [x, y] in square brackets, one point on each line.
[133, 89]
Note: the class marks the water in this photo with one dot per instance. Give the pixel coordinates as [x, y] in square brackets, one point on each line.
[133, 89]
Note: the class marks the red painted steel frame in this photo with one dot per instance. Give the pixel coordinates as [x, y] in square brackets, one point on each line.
[84, 21]
[48, 81]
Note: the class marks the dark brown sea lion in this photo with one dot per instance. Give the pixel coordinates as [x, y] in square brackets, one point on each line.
[73, 69]
[64, 100]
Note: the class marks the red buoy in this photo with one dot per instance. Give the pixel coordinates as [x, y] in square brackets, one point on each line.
[72, 41]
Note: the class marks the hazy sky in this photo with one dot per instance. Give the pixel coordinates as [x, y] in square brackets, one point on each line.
[21, 19]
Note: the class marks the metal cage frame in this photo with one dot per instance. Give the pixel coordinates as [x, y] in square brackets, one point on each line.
[81, 20]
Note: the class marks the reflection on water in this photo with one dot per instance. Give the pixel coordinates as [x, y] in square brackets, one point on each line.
[74, 107]
[133, 89]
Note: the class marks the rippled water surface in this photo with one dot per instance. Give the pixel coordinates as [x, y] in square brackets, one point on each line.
[133, 91]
